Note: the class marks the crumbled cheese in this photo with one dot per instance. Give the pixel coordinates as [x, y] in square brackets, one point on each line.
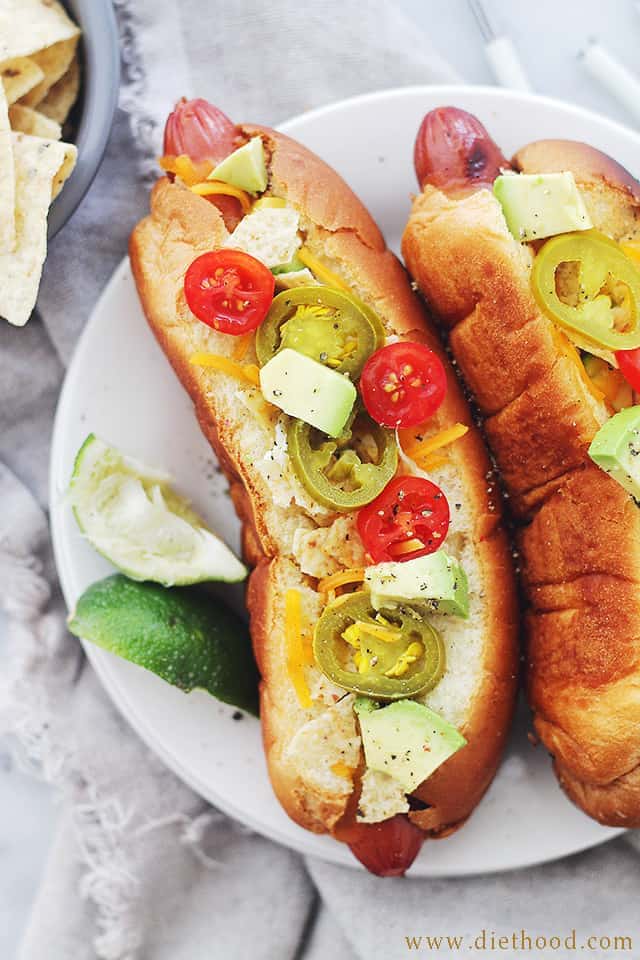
[296, 278]
[324, 551]
[382, 797]
[325, 691]
[269, 234]
[321, 743]
[275, 467]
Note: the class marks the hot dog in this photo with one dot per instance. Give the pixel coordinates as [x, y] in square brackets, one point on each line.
[317, 498]
[545, 391]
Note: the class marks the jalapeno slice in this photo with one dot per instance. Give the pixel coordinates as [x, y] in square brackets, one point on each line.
[585, 282]
[325, 324]
[389, 654]
[347, 472]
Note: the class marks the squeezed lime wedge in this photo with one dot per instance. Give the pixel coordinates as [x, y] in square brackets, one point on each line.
[131, 515]
[184, 635]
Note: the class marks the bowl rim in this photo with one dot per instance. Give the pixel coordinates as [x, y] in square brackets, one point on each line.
[100, 90]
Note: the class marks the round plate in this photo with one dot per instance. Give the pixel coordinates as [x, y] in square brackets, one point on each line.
[121, 386]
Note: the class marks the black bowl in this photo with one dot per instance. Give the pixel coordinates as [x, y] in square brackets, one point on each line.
[99, 53]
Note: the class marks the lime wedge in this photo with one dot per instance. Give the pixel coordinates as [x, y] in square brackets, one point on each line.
[130, 514]
[184, 635]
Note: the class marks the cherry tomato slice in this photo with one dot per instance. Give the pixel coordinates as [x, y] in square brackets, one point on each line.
[403, 384]
[388, 848]
[229, 291]
[410, 512]
[629, 363]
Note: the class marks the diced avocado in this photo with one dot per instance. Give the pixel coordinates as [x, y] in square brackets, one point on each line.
[364, 705]
[406, 740]
[616, 448]
[437, 580]
[244, 168]
[537, 205]
[308, 390]
[292, 266]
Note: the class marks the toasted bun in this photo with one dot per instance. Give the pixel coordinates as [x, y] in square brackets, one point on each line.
[303, 745]
[579, 531]
[612, 194]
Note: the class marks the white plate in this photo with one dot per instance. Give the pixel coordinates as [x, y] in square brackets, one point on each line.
[120, 386]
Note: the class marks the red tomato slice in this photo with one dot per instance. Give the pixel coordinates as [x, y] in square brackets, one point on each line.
[403, 384]
[629, 363]
[408, 509]
[229, 290]
[387, 848]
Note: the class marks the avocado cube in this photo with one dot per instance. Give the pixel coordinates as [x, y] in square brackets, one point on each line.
[538, 205]
[616, 448]
[406, 740]
[244, 168]
[437, 580]
[308, 390]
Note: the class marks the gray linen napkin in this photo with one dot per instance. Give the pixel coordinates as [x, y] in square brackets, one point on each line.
[141, 867]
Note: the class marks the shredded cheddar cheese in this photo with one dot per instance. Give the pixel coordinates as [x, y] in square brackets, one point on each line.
[342, 770]
[298, 653]
[418, 450]
[213, 361]
[354, 575]
[432, 462]
[213, 187]
[243, 342]
[183, 166]
[632, 250]
[320, 271]
[269, 202]
[399, 549]
[610, 382]
[565, 347]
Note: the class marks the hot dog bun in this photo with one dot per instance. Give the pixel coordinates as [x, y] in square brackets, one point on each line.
[578, 530]
[283, 538]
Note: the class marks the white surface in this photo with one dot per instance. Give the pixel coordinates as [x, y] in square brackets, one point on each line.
[614, 77]
[548, 36]
[120, 386]
[506, 66]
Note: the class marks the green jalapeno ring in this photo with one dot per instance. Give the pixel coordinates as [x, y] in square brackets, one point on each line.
[599, 258]
[331, 650]
[327, 325]
[332, 471]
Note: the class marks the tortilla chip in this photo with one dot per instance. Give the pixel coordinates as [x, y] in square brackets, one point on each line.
[54, 62]
[66, 168]
[27, 120]
[62, 95]
[19, 76]
[7, 181]
[30, 25]
[38, 164]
